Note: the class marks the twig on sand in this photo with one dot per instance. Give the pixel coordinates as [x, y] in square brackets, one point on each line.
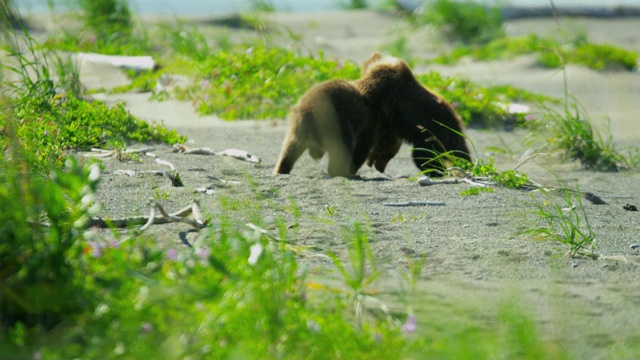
[102, 153]
[416, 203]
[197, 222]
[235, 153]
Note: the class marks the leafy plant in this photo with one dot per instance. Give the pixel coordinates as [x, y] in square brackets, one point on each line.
[476, 190]
[566, 223]
[508, 178]
[466, 21]
[42, 225]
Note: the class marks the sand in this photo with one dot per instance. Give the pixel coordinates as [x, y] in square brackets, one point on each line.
[475, 258]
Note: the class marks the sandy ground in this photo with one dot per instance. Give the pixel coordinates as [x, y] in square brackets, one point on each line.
[475, 258]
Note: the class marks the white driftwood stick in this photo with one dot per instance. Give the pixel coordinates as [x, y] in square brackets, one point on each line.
[138, 220]
[416, 203]
[166, 163]
[426, 181]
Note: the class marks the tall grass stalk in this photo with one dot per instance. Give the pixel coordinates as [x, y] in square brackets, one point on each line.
[354, 273]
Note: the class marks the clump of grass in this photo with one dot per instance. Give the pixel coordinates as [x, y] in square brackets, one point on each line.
[466, 21]
[571, 133]
[109, 29]
[566, 223]
[477, 190]
[508, 178]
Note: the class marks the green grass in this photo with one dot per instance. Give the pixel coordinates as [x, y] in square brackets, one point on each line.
[565, 222]
[552, 53]
[570, 133]
[465, 21]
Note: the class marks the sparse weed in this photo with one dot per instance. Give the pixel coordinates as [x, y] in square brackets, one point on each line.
[415, 267]
[357, 277]
[566, 223]
[476, 190]
[69, 77]
[330, 210]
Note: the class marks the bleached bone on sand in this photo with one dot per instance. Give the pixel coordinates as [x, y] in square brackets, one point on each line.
[127, 62]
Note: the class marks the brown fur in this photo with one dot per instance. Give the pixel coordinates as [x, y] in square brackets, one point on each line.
[412, 112]
[331, 117]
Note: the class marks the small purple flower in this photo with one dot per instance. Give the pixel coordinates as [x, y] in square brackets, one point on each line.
[205, 97]
[146, 328]
[172, 254]
[203, 253]
[411, 325]
[529, 117]
[249, 51]
[46, 133]
[455, 104]
[377, 338]
[340, 65]
[37, 355]
[204, 84]
[96, 249]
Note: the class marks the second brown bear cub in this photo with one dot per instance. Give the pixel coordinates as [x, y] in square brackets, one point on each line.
[405, 108]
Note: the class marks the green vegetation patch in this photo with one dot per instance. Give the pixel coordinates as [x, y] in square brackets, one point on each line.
[466, 21]
[551, 53]
[479, 105]
[258, 82]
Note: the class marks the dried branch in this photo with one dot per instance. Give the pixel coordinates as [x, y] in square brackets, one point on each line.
[197, 222]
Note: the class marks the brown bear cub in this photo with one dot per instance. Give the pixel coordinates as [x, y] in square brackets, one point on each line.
[413, 113]
[331, 117]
